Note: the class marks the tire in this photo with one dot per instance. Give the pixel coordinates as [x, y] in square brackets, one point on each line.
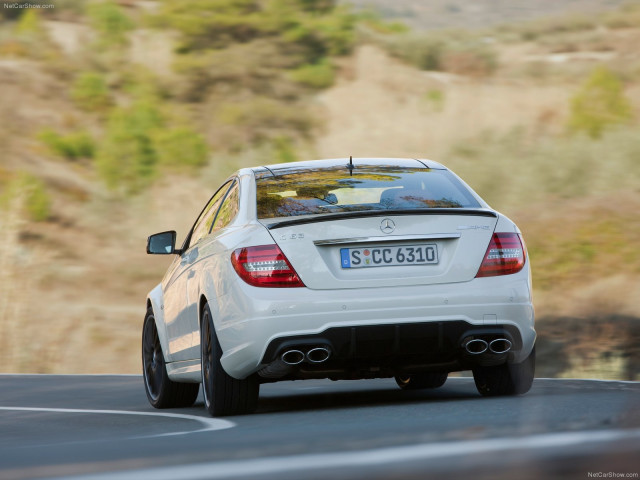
[420, 381]
[223, 394]
[506, 379]
[161, 391]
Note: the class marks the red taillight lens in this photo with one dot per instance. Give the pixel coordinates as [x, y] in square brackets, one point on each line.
[265, 266]
[504, 256]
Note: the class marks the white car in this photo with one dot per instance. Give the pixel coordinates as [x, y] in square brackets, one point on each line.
[340, 269]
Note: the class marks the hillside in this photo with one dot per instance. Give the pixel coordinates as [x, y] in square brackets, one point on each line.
[439, 14]
[102, 146]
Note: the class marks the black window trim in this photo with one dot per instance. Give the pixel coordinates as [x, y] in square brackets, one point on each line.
[235, 182]
[186, 244]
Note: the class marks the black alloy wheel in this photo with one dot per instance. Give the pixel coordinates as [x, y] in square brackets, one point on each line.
[161, 391]
[506, 379]
[223, 394]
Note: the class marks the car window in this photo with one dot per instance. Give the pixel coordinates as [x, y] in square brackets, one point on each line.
[228, 210]
[312, 191]
[205, 221]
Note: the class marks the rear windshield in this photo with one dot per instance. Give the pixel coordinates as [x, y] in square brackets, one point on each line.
[309, 191]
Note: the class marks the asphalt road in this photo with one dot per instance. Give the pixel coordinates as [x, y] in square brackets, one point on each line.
[102, 427]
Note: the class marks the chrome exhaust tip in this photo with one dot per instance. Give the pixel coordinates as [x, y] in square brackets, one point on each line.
[477, 346]
[292, 357]
[500, 345]
[318, 355]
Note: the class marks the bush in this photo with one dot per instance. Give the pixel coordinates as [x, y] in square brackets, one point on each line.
[90, 92]
[425, 52]
[36, 201]
[138, 140]
[127, 157]
[181, 147]
[264, 118]
[319, 75]
[29, 23]
[453, 52]
[599, 104]
[110, 22]
[284, 150]
[373, 21]
[73, 146]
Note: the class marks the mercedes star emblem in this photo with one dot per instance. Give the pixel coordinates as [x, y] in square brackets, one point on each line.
[387, 226]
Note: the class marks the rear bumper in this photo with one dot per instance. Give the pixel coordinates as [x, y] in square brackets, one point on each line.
[386, 350]
[402, 325]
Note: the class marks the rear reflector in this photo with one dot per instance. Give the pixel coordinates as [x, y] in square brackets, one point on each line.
[264, 266]
[505, 255]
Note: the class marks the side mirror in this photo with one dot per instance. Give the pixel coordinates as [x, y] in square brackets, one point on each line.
[162, 243]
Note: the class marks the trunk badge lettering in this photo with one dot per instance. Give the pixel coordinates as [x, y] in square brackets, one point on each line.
[473, 227]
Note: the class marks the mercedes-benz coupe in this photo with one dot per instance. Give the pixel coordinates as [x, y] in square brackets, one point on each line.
[341, 269]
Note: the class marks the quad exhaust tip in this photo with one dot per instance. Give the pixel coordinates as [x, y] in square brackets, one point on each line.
[500, 345]
[315, 355]
[318, 355]
[292, 357]
[477, 346]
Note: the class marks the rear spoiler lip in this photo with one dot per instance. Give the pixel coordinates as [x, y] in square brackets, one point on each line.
[328, 217]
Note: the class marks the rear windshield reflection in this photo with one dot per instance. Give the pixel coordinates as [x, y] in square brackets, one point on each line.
[309, 191]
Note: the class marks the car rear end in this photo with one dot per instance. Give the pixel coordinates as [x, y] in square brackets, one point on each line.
[374, 268]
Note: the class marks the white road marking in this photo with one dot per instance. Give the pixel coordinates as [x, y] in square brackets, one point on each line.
[369, 458]
[208, 424]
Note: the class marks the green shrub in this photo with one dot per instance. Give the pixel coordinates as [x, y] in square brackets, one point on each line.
[284, 150]
[374, 22]
[138, 140]
[73, 146]
[90, 92]
[449, 51]
[425, 52]
[264, 118]
[110, 22]
[288, 33]
[319, 75]
[36, 201]
[127, 157]
[29, 22]
[599, 104]
[181, 147]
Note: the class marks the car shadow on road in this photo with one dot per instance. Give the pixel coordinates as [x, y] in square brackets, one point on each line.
[292, 401]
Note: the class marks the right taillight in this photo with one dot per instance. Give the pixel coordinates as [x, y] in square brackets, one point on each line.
[505, 255]
[265, 266]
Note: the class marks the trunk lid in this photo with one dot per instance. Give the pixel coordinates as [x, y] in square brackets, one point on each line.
[328, 251]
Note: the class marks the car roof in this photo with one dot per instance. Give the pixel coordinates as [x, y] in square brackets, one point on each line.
[337, 162]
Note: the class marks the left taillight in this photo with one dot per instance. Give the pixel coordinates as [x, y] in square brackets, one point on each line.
[505, 255]
[265, 266]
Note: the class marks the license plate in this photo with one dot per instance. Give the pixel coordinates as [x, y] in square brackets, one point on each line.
[388, 256]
